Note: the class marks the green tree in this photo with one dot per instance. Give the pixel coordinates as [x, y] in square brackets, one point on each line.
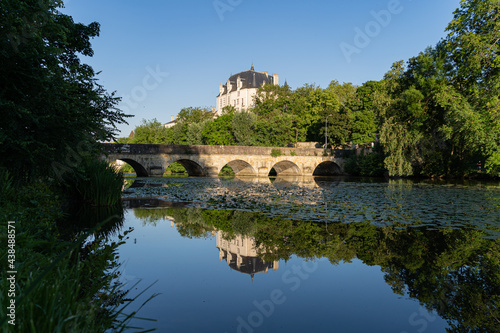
[345, 92]
[363, 114]
[189, 126]
[445, 102]
[194, 134]
[192, 115]
[338, 124]
[473, 49]
[179, 133]
[150, 132]
[398, 144]
[311, 104]
[243, 128]
[52, 104]
[275, 129]
[219, 131]
[271, 97]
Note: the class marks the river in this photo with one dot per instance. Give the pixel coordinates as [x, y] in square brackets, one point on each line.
[313, 255]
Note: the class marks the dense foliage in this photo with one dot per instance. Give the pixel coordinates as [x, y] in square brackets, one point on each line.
[52, 105]
[54, 116]
[438, 114]
[66, 280]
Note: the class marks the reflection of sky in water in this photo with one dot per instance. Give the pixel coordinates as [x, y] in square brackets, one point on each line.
[341, 201]
[199, 293]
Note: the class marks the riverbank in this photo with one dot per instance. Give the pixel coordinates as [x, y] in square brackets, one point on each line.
[55, 277]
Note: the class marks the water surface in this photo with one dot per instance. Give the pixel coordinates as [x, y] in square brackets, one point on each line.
[314, 255]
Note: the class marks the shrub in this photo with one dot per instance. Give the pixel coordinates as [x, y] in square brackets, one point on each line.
[275, 152]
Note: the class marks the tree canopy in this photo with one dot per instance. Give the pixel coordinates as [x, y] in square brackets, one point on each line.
[436, 114]
[52, 104]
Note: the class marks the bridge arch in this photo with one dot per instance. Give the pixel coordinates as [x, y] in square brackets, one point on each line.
[139, 169]
[241, 168]
[193, 168]
[327, 168]
[284, 168]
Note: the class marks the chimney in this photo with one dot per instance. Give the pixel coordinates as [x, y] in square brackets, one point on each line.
[275, 79]
[171, 118]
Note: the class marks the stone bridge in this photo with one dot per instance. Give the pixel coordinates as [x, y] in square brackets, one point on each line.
[150, 160]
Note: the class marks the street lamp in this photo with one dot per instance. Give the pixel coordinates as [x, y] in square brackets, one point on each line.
[326, 130]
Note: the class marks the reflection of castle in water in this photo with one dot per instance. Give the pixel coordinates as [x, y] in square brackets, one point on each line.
[240, 254]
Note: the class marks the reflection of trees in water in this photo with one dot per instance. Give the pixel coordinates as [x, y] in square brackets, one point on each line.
[452, 271]
[104, 221]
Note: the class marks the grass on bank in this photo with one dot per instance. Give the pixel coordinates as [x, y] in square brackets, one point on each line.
[95, 183]
[63, 284]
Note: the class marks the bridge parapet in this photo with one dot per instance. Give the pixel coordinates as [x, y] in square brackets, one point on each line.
[118, 148]
[152, 160]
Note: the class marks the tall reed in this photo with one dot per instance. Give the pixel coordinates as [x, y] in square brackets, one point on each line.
[6, 186]
[95, 183]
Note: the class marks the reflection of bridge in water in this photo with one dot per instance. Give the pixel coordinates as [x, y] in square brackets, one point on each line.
[152, 160]
[280, 182]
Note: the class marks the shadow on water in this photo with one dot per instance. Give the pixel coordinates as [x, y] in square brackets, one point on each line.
[80, 218]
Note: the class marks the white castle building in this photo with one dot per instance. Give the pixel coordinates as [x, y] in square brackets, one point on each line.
[240, 89]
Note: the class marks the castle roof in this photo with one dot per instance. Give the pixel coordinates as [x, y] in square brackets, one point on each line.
[249, 79]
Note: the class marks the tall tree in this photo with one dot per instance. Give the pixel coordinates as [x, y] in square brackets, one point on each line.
[445, 103]
[151, 132]
[194, 134]
[219, 131]
[275, 129]
[270, 97]
[193, 115]
[311, 105]
[52, 105]
[243, 127]
[362, 113]
[473, 46]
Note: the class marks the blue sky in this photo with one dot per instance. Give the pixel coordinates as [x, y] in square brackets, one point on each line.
[162, 55]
